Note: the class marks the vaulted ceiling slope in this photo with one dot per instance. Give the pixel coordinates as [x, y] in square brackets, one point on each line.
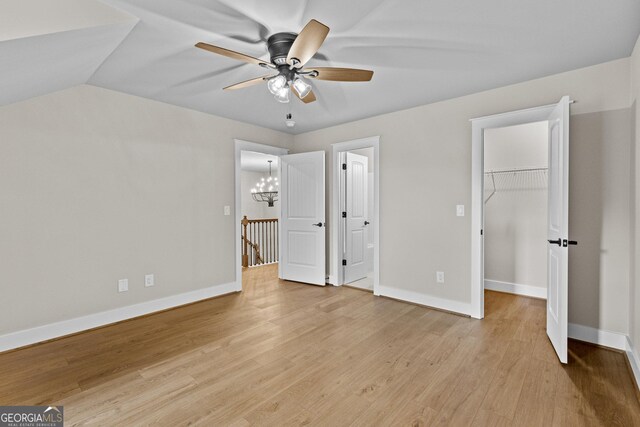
[421, 51]
[47, 45]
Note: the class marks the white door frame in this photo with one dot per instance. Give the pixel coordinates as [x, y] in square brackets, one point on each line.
[478, 125]
[240, 146]
[336, 276]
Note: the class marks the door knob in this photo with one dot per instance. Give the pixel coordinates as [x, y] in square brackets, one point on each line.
[566, 242]
[366, 223]
[555, 242]
[320, 224]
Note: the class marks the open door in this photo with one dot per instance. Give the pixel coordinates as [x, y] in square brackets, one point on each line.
[558, 229]
[302, 227]
[356, 204]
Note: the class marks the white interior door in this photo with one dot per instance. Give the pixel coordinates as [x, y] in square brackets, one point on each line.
[302, 227]
[558, 229]
[357, 220]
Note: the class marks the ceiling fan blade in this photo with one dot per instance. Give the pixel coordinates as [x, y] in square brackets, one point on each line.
[307, 43]
[231, 54]
[247, 83]
[341, 74]
[307, 99]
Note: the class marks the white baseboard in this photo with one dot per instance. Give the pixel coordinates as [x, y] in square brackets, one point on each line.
[609, 339]
[515, 288]
[601, 337]
[78, 324]
[634, 360]
[427, 300]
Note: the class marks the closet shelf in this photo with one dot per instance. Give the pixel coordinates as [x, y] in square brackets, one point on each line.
[522, 179]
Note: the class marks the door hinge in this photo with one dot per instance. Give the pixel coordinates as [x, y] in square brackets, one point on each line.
[344, 262]
[482, 232]
[344, 166]
[344, 214]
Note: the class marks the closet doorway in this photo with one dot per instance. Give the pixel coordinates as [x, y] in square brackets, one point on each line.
[515, 209]
[515, 177]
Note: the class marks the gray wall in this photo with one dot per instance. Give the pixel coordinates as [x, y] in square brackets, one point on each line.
[249, 207]
[634, 295]
[599, 219]
[425, 170]
[98, 185]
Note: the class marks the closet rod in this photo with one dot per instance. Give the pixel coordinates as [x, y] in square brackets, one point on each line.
[515, 170]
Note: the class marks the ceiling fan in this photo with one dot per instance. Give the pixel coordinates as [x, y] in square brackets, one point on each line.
[289, 53]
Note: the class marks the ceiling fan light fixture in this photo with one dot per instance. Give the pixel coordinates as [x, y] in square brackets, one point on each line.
[289, 54]
[282, 95]
[301, 87]
[276, 84]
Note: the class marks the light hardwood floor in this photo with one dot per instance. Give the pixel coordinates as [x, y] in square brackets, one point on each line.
[285, 353]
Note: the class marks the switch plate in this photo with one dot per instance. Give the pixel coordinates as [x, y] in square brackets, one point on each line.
[149, 280]
[123, 285]
[440, 276]
[227, 210]
[460, 210]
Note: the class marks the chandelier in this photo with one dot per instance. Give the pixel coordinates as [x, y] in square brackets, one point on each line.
[266, 190]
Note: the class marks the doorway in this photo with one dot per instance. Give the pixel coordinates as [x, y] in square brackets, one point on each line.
[355, 205]
[255, 240]
[260, 208]
[557, 117]
[515, 209]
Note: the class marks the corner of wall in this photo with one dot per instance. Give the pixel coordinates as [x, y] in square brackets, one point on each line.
[633, 340]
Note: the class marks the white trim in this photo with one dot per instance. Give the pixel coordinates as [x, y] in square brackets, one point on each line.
[240, 146]
[598, 336]
[516, 288]
[507, 114]
[530, 115]
[426, 300]
[634, 360]
[79, 324]
[336, 149]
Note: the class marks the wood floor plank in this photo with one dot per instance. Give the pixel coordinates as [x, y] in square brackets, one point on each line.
[537, 399]
[286, 354]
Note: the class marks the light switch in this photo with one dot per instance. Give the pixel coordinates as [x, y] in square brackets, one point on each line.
[227, 210]
[460, 210]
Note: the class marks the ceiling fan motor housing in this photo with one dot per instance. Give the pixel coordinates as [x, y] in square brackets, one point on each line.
[279, 45]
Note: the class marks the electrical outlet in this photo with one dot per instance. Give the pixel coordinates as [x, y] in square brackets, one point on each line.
[149, 280]
[123, 285]
[460, 210]
[227, 210]
[440, 276]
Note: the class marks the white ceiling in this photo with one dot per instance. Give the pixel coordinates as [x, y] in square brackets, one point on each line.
[27, 18]
[252, 161]
[44, 47]
[421, 51]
